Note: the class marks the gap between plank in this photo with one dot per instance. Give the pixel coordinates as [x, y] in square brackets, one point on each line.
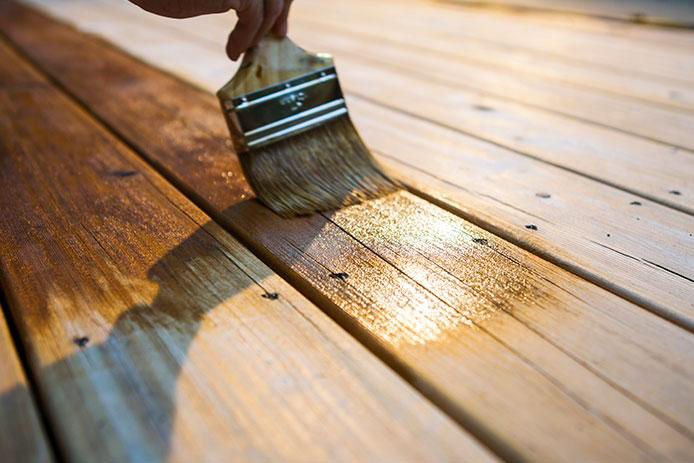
[42, 410]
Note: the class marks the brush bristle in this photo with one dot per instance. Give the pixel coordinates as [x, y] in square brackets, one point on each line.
[326, 168]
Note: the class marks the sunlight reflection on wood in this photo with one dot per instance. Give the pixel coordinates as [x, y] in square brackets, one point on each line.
[454, 261]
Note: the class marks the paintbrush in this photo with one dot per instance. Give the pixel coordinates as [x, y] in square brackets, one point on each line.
[291, 130]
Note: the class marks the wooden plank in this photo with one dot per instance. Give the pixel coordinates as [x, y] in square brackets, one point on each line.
[620, 54]
[22, 437]
[486, 330]
[605, 28]
[512, 62]
[155, 336]
[665, 12]
[443, 63]
[654, 273]
[467, 56]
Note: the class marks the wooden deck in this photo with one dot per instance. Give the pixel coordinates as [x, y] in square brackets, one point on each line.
[529, 298]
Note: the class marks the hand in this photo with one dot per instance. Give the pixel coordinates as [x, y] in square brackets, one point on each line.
[256, 17]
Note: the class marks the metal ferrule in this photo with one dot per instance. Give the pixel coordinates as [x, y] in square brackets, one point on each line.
[281, 111]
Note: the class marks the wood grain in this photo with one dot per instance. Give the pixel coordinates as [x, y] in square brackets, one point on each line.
[22, 437]
[655, 273]
[155, 336]
[513, 347]
[595, 26]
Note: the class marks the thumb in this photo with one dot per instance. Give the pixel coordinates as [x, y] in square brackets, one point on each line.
[281, 26]
[250, 15]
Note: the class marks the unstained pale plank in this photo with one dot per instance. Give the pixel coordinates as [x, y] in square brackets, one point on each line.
[425, 38]
[618, 53]
[595, 26]
[667, 12]
[445, 61]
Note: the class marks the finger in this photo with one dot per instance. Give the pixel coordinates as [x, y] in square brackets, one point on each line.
[250, 15]
[213, 7]
[271, 11]
[185, 9]
[280, 27]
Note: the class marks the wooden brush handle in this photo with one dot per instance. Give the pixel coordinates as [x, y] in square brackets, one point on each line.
[273, 61]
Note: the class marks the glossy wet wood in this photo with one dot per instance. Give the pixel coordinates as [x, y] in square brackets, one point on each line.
[155, 336]
[22, 437]
[477, 324]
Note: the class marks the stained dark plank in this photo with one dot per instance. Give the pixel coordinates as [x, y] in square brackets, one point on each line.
[489, 332]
